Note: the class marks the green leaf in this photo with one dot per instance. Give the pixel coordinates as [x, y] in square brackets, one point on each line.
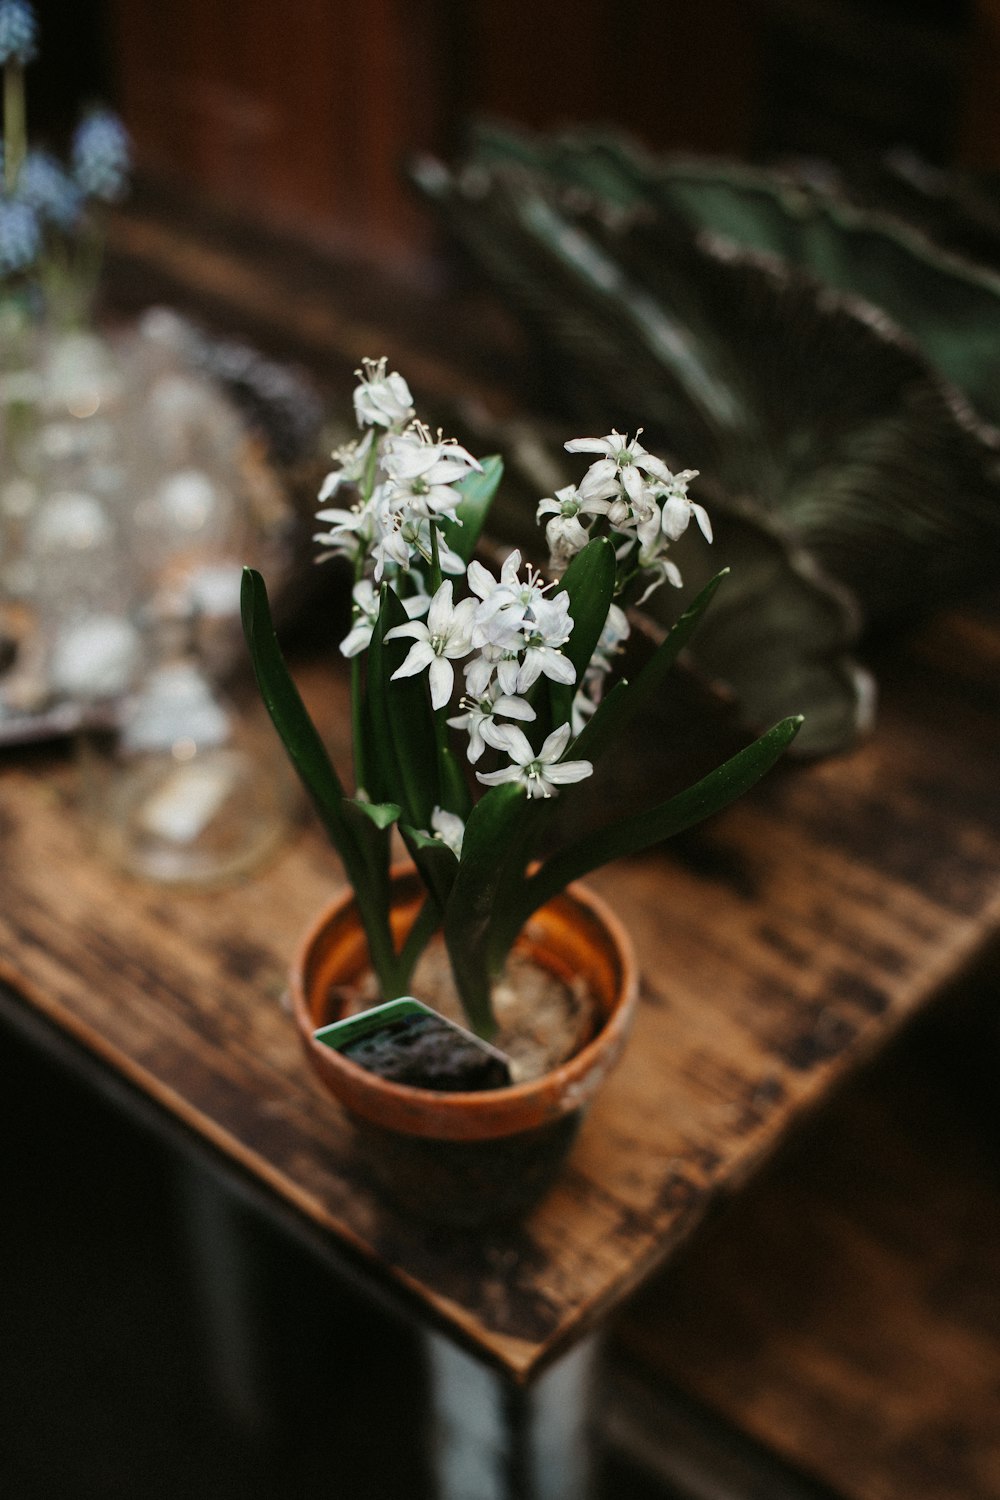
[362, 846]
[382, 814]
[631, 835]
[291, 718]
[371, 876]
[590, 583]
[401, 742]
[489, 846]
[477, 492]
[437, 863]
[627, 699]
[455, 794]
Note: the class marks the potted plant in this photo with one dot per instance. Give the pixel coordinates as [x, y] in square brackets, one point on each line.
[479, 703]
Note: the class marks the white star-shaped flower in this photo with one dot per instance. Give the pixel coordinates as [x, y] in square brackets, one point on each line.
[351, 533]
[550, 628]
[477, 720]
[449, 828]
[623, 459]
[350, 462]
[678, 508]
[366, 608]
[381, 400]
[422, 473]
[542, 773]
[446, 636]
[654, 560]
[566, 533]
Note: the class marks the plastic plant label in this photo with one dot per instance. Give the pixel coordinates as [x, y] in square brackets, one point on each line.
[405, 1041]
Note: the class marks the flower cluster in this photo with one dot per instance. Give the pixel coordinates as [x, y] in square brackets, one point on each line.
[403, 484]
[515, 674]
[101, 156]
[18, 32]
[19, 236]
[40, 198]
[646, 505]
[504, 633]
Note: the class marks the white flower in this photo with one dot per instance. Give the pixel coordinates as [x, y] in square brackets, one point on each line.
[422, 473]
[350, 462]
[498, 635]
[366, 608]
[539, 774]
[646, 517]
[678, 508]
[403, 539]
[624, 460]
[479, 672]
[381, 400]
[446, 635]
[565, 532]
[352, 532]
[654, 560]
[504, 601]
[550, 628]
[511, 606]
[477, 720]
[392, 547]
[449, 828]
[582, 709]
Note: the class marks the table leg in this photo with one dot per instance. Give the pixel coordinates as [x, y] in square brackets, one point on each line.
[221, 1267]
[497, 1441]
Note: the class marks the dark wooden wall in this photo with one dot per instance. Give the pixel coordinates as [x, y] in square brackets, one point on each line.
[301, 113]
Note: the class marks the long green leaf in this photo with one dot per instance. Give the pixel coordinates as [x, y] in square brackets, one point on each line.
[402, 745]
[626, 699]
[631, 835]
[477, 492]
[371, 823]
[382, 814]
[437, 863]
[291, 718]
[363, 847]
[473, 902]
[590, 583]
[372, 887]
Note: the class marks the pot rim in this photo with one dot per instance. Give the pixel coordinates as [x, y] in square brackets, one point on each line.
[501, 1110]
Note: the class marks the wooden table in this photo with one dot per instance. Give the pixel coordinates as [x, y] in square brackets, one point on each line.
[780, 946]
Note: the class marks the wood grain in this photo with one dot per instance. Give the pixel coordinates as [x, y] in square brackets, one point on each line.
[846, 1312]
[780, 946]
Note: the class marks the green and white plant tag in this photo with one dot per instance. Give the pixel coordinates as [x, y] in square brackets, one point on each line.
[406, 1041]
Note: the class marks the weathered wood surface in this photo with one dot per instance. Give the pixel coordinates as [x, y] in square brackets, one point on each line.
[779, 947]
[846, 1312]
[300, 304]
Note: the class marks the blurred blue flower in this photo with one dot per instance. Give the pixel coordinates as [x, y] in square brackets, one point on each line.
[48, 188]
[18, 32]
[20, 235]
[102, 156]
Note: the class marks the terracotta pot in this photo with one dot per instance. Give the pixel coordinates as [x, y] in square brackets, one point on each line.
[466, 1158]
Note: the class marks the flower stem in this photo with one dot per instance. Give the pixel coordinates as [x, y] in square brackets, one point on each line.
[14, 123]
[435, 559]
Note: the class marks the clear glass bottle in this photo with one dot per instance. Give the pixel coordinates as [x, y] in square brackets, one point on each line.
[189, 790]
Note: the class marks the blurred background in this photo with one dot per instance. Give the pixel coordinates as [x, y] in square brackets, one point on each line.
[270, 204]
[299, 116]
